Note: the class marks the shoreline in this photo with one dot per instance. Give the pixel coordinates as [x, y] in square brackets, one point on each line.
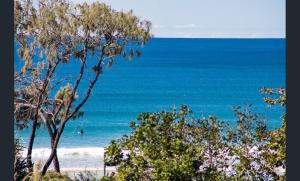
[93, 169]
[95, 172]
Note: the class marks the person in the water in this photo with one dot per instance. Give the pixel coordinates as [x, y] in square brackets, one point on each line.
[81, 132]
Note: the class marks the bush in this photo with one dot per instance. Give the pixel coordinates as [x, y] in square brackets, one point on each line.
[49, 176]
[85, 176]
[20, 167]
[177, 146]
[54, 176]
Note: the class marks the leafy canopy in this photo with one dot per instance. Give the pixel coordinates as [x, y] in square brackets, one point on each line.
[175, 145]
[55, 32]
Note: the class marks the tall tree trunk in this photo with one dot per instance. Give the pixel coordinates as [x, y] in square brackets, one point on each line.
[54, 143]
[52, 137]
[35, 121]
[56, 163]
[30, 146]
[55, 158]
[51, 157]
[49, 160]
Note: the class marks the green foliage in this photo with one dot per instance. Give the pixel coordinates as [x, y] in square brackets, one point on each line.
[107, 178]
[177, 146]
[276, 96]
[54, 176]
[64, 94]
[35, 175]
[162, 147]
[49, 176]
[20, 168]
[276, 154]
[113, 149]
[157, 139]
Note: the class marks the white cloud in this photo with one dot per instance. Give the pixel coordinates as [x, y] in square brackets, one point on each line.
[186, 26]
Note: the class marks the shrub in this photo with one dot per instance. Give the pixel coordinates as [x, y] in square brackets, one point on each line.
[20, 168]
[85, 176]
[177, 146]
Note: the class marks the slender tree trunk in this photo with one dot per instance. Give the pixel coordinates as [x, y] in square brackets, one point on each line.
[55, 158]
[52, 137]
[35, 121]
[49, 160]
[58, 133]
[51, 157]
[55, 139]
[56, 163]
[30, 146]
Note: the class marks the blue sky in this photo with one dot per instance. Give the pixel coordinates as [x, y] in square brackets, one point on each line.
[209, 18]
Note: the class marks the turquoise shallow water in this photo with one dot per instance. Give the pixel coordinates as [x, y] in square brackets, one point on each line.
[209, 75]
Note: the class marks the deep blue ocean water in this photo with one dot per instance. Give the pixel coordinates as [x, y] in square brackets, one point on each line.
[209, 75]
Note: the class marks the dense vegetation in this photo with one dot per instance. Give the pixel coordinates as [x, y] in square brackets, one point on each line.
[177, 146]
[20, 167]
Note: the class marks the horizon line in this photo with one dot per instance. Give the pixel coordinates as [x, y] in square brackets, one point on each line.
[162, 37]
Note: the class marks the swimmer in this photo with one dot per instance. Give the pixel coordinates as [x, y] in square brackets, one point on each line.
[80, 132]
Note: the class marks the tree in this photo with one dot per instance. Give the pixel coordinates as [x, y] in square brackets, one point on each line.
[28, 106]
[175, 145]
[56, 32]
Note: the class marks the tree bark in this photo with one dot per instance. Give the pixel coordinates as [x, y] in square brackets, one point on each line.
[68, 116]
[55, 159]
[35, 121]
[53, 154]
[30, 146]
[56, 163]
[48, 162]
[51, 135]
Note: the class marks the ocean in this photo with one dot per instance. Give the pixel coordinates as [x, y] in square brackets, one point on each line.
[209, 75]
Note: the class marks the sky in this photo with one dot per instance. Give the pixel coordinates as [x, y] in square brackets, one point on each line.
[208, 18]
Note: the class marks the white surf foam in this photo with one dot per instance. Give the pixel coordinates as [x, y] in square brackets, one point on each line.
[67, 152]
[72, 158]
